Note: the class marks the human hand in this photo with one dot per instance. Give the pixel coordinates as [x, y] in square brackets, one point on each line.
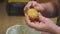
[35, 5]
[44, 24]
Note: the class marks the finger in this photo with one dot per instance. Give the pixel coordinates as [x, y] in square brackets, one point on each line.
[25, 10]
[34, 4]
[31, 24]
[27, 7]
[41, 24]
[35, 7]
[39, 7]
[41, 18]
[44, 19]
[27, 18]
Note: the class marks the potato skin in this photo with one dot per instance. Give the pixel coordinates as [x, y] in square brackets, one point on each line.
[32, 13]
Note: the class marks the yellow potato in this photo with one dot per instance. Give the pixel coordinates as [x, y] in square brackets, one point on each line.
[32, 13]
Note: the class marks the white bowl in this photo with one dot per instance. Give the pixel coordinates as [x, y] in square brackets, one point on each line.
[21, 29]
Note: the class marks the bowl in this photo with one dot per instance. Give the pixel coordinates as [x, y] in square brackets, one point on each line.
[21, 29]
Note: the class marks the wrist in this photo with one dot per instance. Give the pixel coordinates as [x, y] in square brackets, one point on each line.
[54, 29]
[48, 7]
[49, 10]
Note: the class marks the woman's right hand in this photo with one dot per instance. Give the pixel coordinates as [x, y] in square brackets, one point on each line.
[35, 5]
[44, 24]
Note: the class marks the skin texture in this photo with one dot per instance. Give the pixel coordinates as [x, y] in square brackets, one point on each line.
[44, 24]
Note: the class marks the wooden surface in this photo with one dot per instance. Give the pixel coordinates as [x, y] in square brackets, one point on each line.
[7, 21]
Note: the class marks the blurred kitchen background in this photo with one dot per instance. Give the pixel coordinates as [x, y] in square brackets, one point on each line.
[11, 12]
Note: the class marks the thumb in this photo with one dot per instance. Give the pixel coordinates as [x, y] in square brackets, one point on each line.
[41, 17]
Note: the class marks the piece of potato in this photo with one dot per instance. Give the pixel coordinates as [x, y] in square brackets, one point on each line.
[32, 13]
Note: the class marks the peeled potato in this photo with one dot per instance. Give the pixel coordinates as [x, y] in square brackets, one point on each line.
[32, 13]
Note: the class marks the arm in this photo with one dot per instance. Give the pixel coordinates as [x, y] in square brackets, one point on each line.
[51, 9]
[55, 29]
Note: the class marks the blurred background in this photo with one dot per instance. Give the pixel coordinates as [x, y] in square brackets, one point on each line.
[11, 12]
